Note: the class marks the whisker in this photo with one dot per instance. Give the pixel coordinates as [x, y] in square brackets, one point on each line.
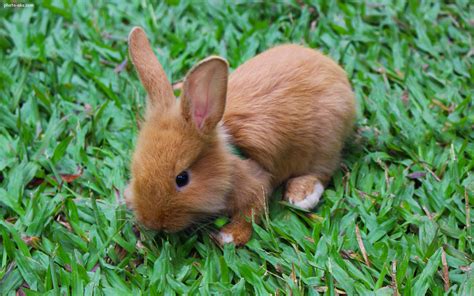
[204, 225]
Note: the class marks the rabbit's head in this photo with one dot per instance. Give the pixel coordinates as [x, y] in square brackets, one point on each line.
[181, 171]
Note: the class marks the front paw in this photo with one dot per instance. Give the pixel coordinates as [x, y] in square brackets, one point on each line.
[238, 235]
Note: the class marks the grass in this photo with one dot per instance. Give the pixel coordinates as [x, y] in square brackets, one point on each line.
[395, 219]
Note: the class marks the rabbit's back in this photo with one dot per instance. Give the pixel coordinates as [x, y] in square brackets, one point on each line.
[290, 109]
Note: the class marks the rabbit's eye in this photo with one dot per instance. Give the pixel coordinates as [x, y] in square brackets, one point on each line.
[182, 179]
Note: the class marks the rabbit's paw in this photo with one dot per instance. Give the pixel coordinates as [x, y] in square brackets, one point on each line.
[304, 191]
[234, 233]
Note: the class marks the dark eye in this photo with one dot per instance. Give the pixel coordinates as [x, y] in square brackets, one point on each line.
[182, 179]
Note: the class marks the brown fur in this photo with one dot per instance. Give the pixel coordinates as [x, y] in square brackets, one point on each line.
[289, 109]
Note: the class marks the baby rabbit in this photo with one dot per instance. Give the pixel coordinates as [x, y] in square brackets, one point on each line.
[288, 110]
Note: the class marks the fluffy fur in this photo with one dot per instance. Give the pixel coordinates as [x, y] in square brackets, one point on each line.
[288, 109]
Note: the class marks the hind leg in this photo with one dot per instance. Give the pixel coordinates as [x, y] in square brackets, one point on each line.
[305, 191]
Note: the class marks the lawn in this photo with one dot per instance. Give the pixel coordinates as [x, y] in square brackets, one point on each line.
[396, 219]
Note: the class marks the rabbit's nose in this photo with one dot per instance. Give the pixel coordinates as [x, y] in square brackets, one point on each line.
[128, 196]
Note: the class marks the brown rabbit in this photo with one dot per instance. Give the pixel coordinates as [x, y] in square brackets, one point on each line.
[288, 110]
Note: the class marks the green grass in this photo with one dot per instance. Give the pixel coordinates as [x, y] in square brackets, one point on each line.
[68, 120]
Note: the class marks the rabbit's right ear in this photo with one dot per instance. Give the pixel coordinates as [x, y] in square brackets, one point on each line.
[204, 94]
[152, 75]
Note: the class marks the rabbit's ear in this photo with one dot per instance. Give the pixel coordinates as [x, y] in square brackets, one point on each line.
[152, 75]
[204, 93]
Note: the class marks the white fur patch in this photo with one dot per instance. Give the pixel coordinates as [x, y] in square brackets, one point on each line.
[226, 238]
[311, 200]
[224, 133]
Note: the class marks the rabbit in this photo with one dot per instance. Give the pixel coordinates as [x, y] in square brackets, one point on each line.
[289, 110]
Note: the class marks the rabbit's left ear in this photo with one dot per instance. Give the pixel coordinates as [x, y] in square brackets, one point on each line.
[204, 94]
[152, 75]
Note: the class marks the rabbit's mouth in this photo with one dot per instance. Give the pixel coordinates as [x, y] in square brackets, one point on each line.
[168, 223]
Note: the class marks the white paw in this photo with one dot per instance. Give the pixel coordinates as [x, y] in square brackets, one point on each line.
[225, 238]
[311, 200]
